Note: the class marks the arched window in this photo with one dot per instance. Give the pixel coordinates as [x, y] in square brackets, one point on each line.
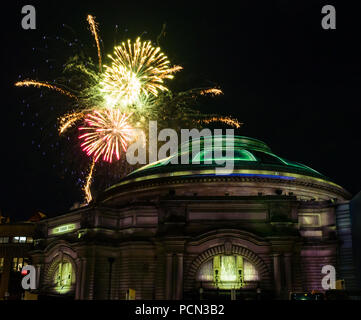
[64, 276]
[227, 272]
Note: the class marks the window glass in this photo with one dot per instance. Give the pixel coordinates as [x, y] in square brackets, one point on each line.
[4, 239]
[63, 276]
[22, 239]
[309, 220]
[15, 264]
[250, 272]
[18, 264]
[29, 240]
[227, 272]
[1, 265]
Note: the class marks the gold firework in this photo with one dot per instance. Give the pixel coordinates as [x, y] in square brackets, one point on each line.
[137, 69]
[227, 120]
[69, 120]
[94, 30]
[86, 189]
[212, 91]
[38, 84]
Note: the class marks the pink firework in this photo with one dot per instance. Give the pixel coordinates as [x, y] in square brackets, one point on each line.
[107, 133]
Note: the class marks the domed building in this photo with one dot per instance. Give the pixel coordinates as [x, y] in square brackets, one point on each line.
[177, 231]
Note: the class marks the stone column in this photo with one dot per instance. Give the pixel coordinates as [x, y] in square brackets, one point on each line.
[277, 273]
[4, 285]
[169, 271]
[38, 275]
[288, 270]
[83, 279]
[78, 279]
[179, 288]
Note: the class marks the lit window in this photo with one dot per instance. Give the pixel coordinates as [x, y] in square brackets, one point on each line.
[227, 272]
[63, 277]
[19, 239]
[1, 265]
[18, 264]
[22, 239]
[4, 239]
[250, 272]
[29, 240]
[309, 220]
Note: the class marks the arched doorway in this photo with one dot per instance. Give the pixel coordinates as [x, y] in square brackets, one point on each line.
[60, 280]
[228, 272]
[224, 273]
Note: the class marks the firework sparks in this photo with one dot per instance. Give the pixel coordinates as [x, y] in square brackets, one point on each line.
[38, 84]
[69, 120]
[94, 30]
[173, 70]
[227, 120]
[212, 91]
[89, 179]
[106, 134]
[106, 97]
[137, 69]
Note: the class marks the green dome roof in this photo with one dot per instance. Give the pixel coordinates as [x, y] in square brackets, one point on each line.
[248, 153]
[253, 162]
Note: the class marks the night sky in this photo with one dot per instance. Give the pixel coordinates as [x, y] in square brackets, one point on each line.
[293, 84]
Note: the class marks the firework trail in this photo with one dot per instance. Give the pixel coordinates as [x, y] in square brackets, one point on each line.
[69, 120]
[212, 91]
[86, 189]
[94, 30]
[38, 84]
[227, 120]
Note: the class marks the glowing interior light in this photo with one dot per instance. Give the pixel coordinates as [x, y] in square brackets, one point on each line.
[64, 228]
[227, 272]
[228, 268]
[63, 277]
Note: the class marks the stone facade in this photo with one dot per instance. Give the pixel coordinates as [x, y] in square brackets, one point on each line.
[154, 230]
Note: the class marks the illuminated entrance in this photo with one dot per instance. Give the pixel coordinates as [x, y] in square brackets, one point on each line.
[227, 272]
[64, 277]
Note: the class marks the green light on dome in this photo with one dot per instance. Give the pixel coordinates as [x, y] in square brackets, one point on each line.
[238, 155]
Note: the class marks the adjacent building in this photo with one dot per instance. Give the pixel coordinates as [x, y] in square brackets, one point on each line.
[16, 240]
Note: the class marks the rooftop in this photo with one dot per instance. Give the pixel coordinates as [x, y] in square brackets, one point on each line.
[245, 153]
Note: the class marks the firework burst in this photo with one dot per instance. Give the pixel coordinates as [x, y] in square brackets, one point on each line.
[137, 69]
[131, 90]
[107, 133]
